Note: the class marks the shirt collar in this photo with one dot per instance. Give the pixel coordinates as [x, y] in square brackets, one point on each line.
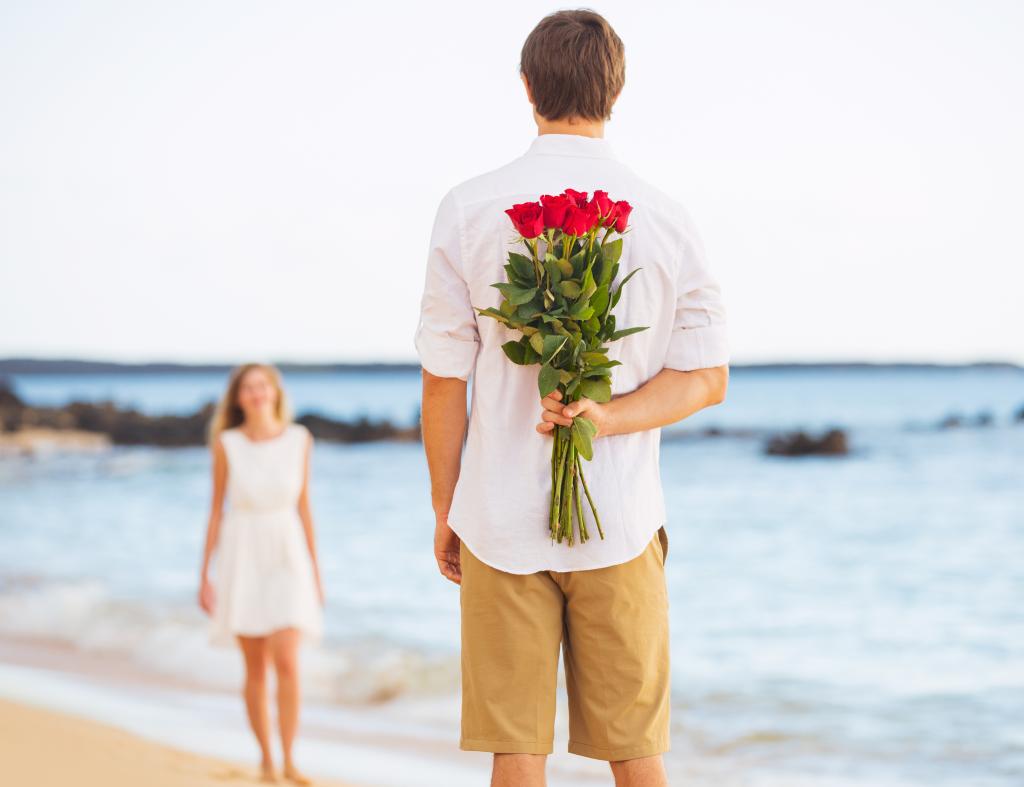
[570, 145]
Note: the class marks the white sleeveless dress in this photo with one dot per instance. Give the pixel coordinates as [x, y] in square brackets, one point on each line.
[263, 572]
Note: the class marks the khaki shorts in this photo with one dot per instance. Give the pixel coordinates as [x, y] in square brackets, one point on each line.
[612, 626]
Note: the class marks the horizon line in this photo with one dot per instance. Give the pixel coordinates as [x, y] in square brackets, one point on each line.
[38, 365]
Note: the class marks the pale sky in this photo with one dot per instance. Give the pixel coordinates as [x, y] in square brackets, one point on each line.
[230, 180]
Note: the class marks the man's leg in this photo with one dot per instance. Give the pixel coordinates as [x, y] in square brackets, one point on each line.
[642, 772]
[511, 632]
[616, 649]
[519, 770]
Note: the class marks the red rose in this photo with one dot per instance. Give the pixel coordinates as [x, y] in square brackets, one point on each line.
[528, 218]
[554, 210]
[604, 205]
[580, 221]
[578, 197]
[618, 217]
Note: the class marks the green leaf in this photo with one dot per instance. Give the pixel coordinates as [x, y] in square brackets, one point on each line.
[494, 314]
[599, 390]
[527, 311]
[523, 282]
[514, 351]
[565, 267]
[583, 433]
[537, 342]
[553, 271]
[547, 380]
[598, 371]
[552, 344]
[599, 300]
[589, 285]
[581, 310]
[626, 332]
[570, 289]
[593, 357]
[631, 274]
[530, 355]
[612, 251]
[523, 266]
[516, 294]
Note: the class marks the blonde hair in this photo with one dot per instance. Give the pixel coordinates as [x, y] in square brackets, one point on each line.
[229, 414]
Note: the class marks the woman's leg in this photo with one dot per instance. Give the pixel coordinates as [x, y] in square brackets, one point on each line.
[254, 650]
[284, 650]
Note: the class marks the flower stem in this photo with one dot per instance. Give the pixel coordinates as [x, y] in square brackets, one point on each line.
[556, 489]
[565, 501]
[590, 500]
[579, 502]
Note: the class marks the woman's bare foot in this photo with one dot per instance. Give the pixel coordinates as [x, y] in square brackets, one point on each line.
[267, 773]
[292, 774]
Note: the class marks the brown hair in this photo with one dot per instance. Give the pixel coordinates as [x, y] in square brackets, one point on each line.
[228, 413]
[575, 65]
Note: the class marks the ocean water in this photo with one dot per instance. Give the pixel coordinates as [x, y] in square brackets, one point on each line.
[835, 621]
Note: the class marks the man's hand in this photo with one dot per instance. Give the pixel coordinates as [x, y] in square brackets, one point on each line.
[668, 397]
[446, 550]
[555, 413]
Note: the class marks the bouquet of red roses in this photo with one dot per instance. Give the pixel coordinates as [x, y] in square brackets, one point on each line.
[560, 297]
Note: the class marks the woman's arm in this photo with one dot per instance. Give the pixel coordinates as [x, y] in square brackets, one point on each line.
[220, 477]
[306, 515]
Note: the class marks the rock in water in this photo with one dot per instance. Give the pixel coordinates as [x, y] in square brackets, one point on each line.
[832, 443]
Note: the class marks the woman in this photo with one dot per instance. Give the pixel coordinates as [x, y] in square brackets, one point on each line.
[266, 594]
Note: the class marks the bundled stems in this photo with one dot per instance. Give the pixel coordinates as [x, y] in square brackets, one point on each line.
[567, 482]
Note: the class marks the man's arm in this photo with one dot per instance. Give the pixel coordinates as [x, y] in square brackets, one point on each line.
[666, 398]
[447, 342]
[444, 428]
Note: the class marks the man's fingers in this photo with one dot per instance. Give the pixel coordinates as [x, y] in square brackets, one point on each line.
[450, 567]
[546, 428]
[450, 572]
[555, 418]
[552, 405]
[577, 407]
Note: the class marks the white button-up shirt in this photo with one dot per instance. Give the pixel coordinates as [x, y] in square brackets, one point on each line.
[501, 503]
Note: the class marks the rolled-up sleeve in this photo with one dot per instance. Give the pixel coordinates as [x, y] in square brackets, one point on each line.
[699, 337]
[446, 338]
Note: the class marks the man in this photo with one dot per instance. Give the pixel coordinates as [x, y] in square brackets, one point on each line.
[523, 596]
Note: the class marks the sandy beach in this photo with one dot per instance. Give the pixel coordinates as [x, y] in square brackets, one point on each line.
[29, 442]
[95, 755]
[156, 729]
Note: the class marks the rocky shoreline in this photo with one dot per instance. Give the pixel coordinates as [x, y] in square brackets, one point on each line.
[88, 425]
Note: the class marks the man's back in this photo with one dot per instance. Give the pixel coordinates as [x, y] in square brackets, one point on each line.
[501, 504]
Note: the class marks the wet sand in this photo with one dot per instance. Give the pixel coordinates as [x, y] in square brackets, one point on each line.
[49, 749]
